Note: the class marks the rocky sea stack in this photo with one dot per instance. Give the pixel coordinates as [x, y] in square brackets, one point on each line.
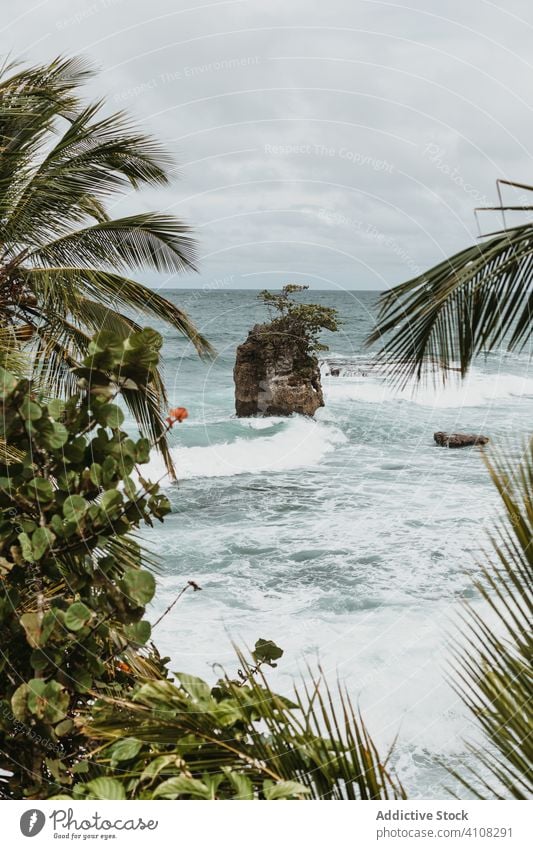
[275, 377]
[276, 371]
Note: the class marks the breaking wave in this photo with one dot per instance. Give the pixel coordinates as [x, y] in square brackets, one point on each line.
[300, 442]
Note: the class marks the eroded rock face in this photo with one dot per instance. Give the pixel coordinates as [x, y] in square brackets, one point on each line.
[274, 377]
[459, 440]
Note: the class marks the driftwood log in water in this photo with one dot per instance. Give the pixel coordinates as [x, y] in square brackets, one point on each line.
[459, 440]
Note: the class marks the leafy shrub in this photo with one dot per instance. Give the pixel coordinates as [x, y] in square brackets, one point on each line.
[302, 322]
[237, 740]
[73, 588]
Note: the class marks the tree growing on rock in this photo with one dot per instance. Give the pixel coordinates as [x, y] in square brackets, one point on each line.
[303, 322]
[277, 370]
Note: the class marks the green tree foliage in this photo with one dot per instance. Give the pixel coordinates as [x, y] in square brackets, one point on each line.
[72, 583]
[302, 322]
[65, 263]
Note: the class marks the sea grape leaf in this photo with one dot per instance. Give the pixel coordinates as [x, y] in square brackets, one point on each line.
[77, 616]
[139, 585]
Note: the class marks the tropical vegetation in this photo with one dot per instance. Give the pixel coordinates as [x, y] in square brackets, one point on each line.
[65, 262]
[73, 586]
[494, 671]
[473, 302]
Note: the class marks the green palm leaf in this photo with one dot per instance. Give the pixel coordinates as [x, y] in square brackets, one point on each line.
[31, 99]
[474, 301]
[494, 670]
[147, 240]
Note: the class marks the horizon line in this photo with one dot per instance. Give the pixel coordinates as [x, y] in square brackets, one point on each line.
[214, 290]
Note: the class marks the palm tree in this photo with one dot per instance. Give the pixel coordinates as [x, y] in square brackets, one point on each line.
[476, 300]
[65, 263]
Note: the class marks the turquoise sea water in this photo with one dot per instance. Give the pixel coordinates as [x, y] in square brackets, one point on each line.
[348, 540]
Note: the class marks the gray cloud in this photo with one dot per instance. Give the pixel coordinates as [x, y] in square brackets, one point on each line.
[347, 143]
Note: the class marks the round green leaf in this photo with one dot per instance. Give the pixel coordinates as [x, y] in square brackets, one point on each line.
[84, 681]
[96, 474]
[38, 627]
[39, 660]
[266, 651]
[25, 544]
[8, 383]
[55, 408]
[47, 701]
[41, 489]
[139, 585]
[110, 415]
[65, 727]
[74, 507]
[53, 435]
[77, 616]
[111, 501]
[19, 702]
[138, 632]
[41, 540]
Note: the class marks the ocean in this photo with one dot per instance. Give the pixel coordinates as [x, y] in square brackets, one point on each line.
[350, 540]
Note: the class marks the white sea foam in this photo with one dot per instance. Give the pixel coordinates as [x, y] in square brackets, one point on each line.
[478, 389]
[261, 423]
[302, 442]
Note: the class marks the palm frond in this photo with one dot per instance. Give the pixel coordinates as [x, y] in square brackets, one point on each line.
[149, 239]
[56, 349]
[62, 285]
[494, 669]
[31, 100]
[59, 77]
[92, 160]
[475, 301]
[247, 736]
[12, 359]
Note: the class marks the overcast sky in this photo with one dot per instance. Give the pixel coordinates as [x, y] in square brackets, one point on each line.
[343, 143]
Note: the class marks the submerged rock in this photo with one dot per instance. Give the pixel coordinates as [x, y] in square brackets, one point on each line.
[459, 440]
[275, 376]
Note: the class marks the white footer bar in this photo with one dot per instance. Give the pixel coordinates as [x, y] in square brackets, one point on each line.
[272, 825]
